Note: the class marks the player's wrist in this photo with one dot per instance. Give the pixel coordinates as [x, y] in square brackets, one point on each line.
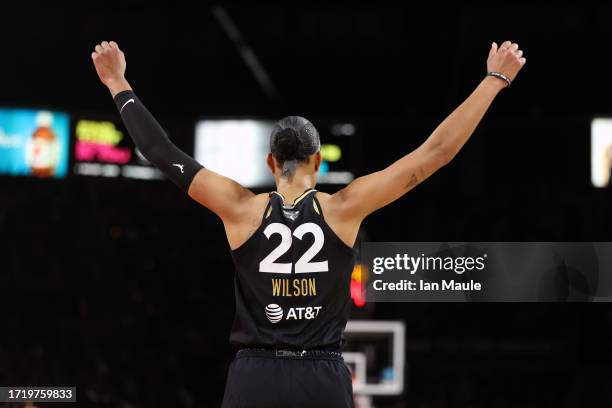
[494, 83]
[117, 85]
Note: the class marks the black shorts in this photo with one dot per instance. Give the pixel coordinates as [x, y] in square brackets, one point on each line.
[264, 380]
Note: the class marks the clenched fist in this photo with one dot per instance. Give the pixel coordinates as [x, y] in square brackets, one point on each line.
[507, 59]
[110, 66]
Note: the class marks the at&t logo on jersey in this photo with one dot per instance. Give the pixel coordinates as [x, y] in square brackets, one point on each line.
[299, 313]
[274, 313]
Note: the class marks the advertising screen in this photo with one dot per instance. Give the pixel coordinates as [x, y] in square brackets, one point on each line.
[34, 143]
[237, 149]
[103, 148]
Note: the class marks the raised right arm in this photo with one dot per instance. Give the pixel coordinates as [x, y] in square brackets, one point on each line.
[223, 196]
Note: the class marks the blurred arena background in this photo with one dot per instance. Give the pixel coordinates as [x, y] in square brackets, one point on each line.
[114, 281]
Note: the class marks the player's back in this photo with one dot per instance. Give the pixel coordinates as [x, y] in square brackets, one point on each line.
[292, 279]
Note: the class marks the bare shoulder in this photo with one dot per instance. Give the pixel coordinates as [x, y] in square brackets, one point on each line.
[331, 203]
[248, 211]
[256, 204]
[327, 203]
[251, 214]
[323, 197]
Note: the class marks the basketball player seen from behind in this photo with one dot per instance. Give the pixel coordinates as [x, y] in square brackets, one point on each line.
[292, 248]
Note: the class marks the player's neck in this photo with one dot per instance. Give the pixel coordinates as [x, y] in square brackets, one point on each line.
[292, 188]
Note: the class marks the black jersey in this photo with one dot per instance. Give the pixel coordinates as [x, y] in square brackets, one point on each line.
[292, 279]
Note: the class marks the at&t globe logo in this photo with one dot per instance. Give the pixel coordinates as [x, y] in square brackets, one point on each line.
[274, 313]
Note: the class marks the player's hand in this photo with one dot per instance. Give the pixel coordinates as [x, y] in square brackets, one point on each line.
[508, 59]
[110, 64]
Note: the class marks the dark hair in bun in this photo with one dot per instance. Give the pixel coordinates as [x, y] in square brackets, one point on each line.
[293, 139]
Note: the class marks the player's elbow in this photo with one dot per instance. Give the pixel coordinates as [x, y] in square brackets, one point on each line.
[442, 155]
[154, 152]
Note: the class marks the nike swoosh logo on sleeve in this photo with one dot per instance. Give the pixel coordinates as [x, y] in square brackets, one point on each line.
[128, 101]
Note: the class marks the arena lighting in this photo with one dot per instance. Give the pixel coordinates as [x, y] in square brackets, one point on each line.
[343, 129]
[236, 148]
[357, 293]
[97, 169]
[601, 152]
[331, 152]
[140, 172]
[336, 177]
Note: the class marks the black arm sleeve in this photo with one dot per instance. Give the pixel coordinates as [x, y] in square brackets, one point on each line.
[153, 142]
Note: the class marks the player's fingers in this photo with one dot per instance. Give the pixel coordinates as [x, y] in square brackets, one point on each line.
[105, 45]
[493, 49]
[99, 48]
[519, 53]
[94, 55]
[514, 47]
[505, 46]
[113, 44]
[523, 61]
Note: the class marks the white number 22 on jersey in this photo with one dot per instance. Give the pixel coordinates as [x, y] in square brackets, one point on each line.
[303, 265]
